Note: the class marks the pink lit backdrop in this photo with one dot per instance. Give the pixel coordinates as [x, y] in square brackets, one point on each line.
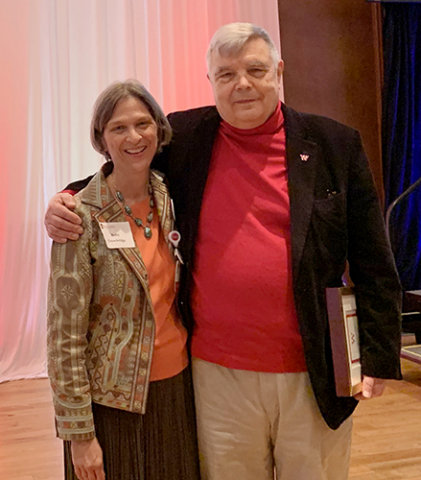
[56, 56]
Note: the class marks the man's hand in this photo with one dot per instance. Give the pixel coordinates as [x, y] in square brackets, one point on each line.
[87, 460]
[61, 223]
[372, 387]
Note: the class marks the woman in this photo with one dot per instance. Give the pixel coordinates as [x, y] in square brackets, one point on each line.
[117, 356]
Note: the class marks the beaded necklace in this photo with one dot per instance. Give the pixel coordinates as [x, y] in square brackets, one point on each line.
[147, 232]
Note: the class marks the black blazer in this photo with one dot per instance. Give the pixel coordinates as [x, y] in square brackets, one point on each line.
[335, 217]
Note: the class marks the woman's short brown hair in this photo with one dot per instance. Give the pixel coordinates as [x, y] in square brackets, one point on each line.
[106, 103]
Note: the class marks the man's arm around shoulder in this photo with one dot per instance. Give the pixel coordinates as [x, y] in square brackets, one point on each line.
[61, 222]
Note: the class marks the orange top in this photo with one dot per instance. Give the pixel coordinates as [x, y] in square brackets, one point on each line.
[170, 352]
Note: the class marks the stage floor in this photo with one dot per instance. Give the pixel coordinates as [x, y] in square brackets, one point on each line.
[386, 438]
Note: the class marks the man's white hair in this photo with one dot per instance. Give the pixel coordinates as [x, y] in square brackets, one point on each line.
[230, 39]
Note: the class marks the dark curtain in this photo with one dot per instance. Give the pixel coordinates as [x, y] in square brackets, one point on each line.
[401, 132]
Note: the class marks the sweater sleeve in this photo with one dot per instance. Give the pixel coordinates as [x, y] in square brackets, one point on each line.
[69, 295]
[372, 269]
[77, 186]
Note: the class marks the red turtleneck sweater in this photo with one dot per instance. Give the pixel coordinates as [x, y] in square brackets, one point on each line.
[242, 296]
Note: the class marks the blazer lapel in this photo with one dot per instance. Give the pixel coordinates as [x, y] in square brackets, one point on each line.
[113, 213]
[98, 194]
[302, 155]
[163, 203]
[200, 155]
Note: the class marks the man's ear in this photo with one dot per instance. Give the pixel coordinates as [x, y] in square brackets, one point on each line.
[280, 69]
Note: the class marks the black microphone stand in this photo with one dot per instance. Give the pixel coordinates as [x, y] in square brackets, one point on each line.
[411, 307]
[403, 195]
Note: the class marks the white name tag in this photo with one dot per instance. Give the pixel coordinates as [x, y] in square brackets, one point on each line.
[117, 234]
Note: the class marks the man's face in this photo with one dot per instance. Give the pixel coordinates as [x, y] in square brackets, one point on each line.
[245, 85]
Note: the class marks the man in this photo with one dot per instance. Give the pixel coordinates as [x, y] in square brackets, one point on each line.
[270, 205]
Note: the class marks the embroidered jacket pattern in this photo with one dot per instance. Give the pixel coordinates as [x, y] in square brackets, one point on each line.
[100, 316]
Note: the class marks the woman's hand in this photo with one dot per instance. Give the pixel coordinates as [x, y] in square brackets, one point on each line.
[87, 460]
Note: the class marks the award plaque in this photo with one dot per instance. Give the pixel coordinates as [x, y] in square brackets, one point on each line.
[343, 326]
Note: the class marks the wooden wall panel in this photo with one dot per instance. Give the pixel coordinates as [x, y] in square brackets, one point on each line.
[331, 50]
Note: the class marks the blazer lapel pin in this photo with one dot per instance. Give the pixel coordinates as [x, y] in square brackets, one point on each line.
[304, 157]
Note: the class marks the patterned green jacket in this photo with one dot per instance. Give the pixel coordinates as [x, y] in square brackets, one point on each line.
[100, 317]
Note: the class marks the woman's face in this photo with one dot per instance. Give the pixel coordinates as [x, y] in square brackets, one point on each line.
[131, 136]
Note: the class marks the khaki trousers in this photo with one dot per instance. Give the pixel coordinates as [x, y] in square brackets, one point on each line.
[253, 424]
